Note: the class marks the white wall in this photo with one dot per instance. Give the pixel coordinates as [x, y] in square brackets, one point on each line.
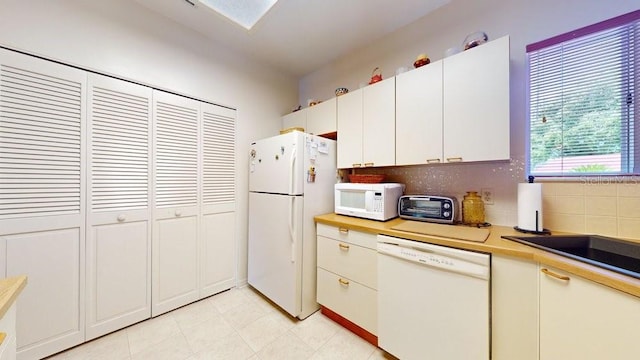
[121, 38]
[525, 21]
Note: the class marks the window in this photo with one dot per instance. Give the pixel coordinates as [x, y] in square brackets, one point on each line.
[583, 112]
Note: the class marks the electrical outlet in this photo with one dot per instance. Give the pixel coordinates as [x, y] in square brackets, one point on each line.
[487, 196]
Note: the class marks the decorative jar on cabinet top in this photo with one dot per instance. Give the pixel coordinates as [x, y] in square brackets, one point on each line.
[472, 209]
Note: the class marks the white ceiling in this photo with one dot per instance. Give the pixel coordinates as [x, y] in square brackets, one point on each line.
[299, 36]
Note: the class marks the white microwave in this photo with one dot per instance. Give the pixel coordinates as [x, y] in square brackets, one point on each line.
[369, 201]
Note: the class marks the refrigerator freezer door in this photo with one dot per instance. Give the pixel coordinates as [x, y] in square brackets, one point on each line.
[275, 248]
[276, 164]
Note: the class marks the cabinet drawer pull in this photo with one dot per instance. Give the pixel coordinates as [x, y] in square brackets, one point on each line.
[557, 276]
[454, 159]
[343, 230]
[343, 282]
[356, 165]
[121, 218]
[368, 164]
[178, 213]
[433, 161]
[343, 246]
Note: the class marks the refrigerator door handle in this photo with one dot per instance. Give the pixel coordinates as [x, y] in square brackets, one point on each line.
[291, 229]
[292, 171]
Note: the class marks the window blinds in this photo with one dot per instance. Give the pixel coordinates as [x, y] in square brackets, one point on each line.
[581, 101]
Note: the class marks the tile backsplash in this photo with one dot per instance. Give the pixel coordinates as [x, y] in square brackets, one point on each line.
[608, 206]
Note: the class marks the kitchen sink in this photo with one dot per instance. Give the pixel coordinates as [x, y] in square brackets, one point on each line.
[605, 252]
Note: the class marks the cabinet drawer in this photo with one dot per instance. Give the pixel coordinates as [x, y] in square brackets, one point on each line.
[349, 299]
[350, 236]
[349, 260]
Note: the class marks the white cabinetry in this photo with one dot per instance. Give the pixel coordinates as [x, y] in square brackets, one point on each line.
[456, 109]
[317, 120]
[118, 218]
[476, 103]
[580, 319]
[514, 305]
[366, 126]
[42, 198]
[347, 274]
[419, 115]
[321, 118]
[350, 130]
[295, 119]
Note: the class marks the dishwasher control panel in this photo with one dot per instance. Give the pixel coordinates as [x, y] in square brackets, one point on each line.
[431, 257]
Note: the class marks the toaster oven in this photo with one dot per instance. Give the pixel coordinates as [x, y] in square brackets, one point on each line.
[432, 208]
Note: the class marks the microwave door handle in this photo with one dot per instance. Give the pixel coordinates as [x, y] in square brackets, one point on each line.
[368, 200]
[292, 171]
[292, 230]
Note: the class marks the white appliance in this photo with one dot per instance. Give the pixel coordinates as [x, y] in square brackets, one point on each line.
[433, 301]
[369, 201]
[291, 179]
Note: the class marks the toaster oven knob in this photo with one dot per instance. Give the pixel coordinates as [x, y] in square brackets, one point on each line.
[446, 214]
[447, 205]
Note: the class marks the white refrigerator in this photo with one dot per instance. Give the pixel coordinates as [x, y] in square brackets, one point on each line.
[291, 179]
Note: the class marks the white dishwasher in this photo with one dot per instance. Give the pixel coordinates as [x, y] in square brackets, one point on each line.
[433, 301]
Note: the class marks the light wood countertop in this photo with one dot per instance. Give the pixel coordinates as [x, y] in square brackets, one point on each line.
[10, 288]
[494, 244]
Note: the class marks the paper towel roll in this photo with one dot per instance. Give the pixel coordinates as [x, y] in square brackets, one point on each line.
[530, 206]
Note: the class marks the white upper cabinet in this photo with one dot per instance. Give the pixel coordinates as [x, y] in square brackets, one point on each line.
[321, 118]
[318, 119]
[295, 119]
[366, 126]
[476, 103]
[419, 115]
[350, 130]
[379, 123]
[452, 110]
[119, 214]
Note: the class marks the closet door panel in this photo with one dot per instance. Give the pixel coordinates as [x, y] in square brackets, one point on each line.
[218, 239]
[176, 218]
[119, 189]
[42, 198]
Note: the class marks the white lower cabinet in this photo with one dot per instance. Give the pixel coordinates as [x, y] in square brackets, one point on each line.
[347, 275]
[580, 319]
[514, 308]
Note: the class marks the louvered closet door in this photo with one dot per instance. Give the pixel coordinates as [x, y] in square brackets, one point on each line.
[218, 254]
[42, 212]
[176, 211]
[119, 206]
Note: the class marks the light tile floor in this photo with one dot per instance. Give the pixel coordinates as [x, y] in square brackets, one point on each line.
[235, 324]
